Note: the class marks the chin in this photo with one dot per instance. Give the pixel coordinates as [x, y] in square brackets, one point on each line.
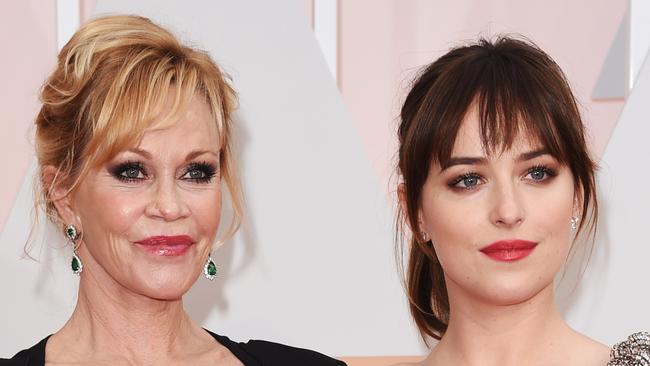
[513, 288]
[165, 285]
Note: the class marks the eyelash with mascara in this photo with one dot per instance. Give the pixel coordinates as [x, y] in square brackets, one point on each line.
[207, 172]
[460, 178]
[542, 168]
[474, 175]
[119, 170]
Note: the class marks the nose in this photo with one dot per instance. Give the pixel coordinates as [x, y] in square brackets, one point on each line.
[166, 201]
[507, 210]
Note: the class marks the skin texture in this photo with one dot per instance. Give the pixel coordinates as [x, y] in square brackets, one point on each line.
[503, 313]
[129, 309]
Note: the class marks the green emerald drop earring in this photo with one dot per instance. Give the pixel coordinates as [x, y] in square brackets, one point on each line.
[210, 268]
[72, 234]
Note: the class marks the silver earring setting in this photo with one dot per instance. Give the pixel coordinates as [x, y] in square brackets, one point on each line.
[424, 236]
[72, 234]
[210, 268]
[574, 222]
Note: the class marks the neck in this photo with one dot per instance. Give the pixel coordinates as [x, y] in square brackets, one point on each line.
[138, 329]
[480, 333]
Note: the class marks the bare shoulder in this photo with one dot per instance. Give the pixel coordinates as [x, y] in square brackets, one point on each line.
[208, 351]
[592, 352]
[598, 354]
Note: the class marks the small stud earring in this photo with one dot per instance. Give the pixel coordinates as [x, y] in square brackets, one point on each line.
[424, 236]
[210, 268]
[574, 222]
[72, 234]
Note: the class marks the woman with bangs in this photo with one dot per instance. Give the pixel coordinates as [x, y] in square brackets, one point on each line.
[133, 142]
[496, 184]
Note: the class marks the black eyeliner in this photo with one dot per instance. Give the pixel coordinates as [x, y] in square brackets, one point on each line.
[118, 170]
[209, 171]
[462, 177]
[542, 168]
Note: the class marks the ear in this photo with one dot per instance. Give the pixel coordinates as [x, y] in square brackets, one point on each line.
[401, 193]
[578, 202]
[59, 194]
[401, 197]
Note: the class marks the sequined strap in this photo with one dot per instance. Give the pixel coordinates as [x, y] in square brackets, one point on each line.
[635, 351]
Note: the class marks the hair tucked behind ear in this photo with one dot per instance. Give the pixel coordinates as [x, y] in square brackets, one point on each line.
[518, 89]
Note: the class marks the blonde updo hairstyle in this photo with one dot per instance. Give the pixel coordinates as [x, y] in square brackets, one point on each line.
[114, 79]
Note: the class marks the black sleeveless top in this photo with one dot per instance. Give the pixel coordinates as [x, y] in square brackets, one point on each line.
[251, 353]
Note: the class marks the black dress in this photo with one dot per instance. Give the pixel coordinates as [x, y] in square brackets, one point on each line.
[251, 353]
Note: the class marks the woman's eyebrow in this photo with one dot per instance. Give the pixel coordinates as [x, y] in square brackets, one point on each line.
[531, 155]
[144, 153]
[464, 160]
[196, 153]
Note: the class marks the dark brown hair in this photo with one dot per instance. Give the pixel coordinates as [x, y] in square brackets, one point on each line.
[518, 90]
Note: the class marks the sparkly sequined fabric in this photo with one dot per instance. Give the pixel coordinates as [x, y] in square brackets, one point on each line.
[635, 351]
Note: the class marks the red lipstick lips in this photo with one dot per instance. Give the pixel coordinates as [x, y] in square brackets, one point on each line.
[509, 250]
[166, 246]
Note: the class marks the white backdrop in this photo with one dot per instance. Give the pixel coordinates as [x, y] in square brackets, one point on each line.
[613, 298]
[313, 265]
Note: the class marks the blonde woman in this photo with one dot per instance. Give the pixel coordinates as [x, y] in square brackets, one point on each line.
[134, 147]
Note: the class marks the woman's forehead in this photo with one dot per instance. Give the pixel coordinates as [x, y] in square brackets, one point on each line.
[470, 140]
[194, 128]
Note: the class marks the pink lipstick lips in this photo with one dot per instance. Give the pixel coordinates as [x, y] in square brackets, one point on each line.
[509, 250]
[166, 246]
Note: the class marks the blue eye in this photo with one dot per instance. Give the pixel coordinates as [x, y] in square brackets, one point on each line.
[200, 172]
[129, 171]
[196, 174]
[466, 181]
[132, 173]
[540, 173]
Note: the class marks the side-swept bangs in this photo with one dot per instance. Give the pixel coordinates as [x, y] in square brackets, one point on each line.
[146, 86]
[115, 78]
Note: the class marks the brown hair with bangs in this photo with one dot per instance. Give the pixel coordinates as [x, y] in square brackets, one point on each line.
[116, 77]
[519, 91]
